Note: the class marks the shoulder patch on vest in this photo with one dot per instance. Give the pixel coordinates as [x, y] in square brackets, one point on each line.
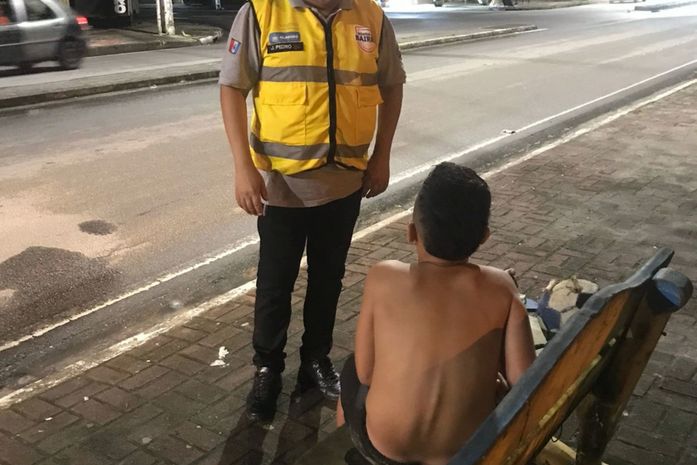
[364, 38]
[234, 46]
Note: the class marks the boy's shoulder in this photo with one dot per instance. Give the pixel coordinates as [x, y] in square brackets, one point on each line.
[387, 270]
[498, 277]
[390, 266]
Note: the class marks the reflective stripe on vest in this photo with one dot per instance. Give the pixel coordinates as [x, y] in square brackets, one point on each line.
[317, 96]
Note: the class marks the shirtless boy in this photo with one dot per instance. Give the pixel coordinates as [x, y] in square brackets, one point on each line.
[433, 336]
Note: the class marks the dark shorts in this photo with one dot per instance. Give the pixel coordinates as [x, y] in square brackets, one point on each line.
[353, 395]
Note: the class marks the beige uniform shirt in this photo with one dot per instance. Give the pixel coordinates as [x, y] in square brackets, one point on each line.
[240, 69]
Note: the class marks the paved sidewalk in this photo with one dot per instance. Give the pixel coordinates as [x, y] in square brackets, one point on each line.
[596, 207]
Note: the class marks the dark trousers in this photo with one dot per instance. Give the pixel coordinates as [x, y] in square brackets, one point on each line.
[353, 395]
[285, 232]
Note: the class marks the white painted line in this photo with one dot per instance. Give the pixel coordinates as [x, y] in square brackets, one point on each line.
[395, 180]
[591, 126]
[132, 342]
[452, 156]
[611, 94]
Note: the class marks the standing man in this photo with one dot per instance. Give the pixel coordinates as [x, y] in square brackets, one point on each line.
[318, 71]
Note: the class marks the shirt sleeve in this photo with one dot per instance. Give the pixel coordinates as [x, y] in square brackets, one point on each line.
[390, 68]
[241, 60]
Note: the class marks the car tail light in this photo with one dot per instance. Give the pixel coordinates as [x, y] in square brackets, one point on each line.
[82, 21]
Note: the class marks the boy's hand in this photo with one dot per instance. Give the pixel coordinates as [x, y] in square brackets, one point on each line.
[502, 387]
[511, 273]
[339, 414]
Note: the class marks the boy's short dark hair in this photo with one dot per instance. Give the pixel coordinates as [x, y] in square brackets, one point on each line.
[451, 211]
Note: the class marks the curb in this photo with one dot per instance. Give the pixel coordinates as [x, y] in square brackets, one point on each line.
[212, 72]
[54, 96]
[207, 40]
[137, 47]
[466, 37]
[539, 7]
[664, 6]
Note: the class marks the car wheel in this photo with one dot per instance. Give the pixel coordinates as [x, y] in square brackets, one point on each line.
[70, 53]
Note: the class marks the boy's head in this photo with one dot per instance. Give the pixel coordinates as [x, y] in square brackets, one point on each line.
[451, 212]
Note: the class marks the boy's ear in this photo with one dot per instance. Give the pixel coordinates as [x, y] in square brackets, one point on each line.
[412, 235]
[487, 235]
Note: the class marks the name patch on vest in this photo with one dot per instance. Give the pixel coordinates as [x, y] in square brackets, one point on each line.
[284, 37]
[364, 38]
[292, 47]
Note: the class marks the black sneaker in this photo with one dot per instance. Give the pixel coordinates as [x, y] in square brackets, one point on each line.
[261, 401]
[322, 375]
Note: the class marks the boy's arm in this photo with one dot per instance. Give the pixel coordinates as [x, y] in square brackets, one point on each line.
[365, 343]
[365, 333]
[519, 350]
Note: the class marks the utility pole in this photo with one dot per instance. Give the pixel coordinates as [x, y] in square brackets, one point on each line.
[165, 17]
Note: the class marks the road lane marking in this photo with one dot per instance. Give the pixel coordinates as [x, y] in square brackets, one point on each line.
[480, 61]
[134, 341]
[652, 48]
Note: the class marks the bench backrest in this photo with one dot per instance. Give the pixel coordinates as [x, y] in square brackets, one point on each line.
[597, 358]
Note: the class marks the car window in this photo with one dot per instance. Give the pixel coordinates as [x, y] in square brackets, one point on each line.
[38, 10]
[6, 14]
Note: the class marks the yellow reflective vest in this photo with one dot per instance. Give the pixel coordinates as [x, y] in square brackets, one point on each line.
[317, 96]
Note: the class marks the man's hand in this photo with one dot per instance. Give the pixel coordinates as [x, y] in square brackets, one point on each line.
[250, 191]
[377, 176]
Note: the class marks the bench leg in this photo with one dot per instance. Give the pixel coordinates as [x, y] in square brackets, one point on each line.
[603, 407]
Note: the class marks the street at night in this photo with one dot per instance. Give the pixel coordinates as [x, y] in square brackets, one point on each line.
[117, 210]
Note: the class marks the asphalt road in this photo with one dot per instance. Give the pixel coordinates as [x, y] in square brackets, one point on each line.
[113, 194]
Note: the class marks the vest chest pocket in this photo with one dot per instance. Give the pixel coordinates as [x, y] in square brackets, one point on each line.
[368, 100]
[282, 112]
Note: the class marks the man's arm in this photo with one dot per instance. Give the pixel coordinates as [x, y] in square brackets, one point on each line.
[239, 73]
[249, 185]
[391, 78]
[377, 176]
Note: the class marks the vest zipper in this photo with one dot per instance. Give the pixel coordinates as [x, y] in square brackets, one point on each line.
[331, 79]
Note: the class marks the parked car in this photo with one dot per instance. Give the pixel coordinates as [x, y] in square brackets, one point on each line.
[32, 31]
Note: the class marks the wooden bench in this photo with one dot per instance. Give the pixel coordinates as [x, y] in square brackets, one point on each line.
[591, 366]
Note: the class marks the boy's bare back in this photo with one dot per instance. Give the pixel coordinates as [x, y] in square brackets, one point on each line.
[430, 342]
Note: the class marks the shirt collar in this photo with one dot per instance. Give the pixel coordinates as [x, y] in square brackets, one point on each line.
[343, 4]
